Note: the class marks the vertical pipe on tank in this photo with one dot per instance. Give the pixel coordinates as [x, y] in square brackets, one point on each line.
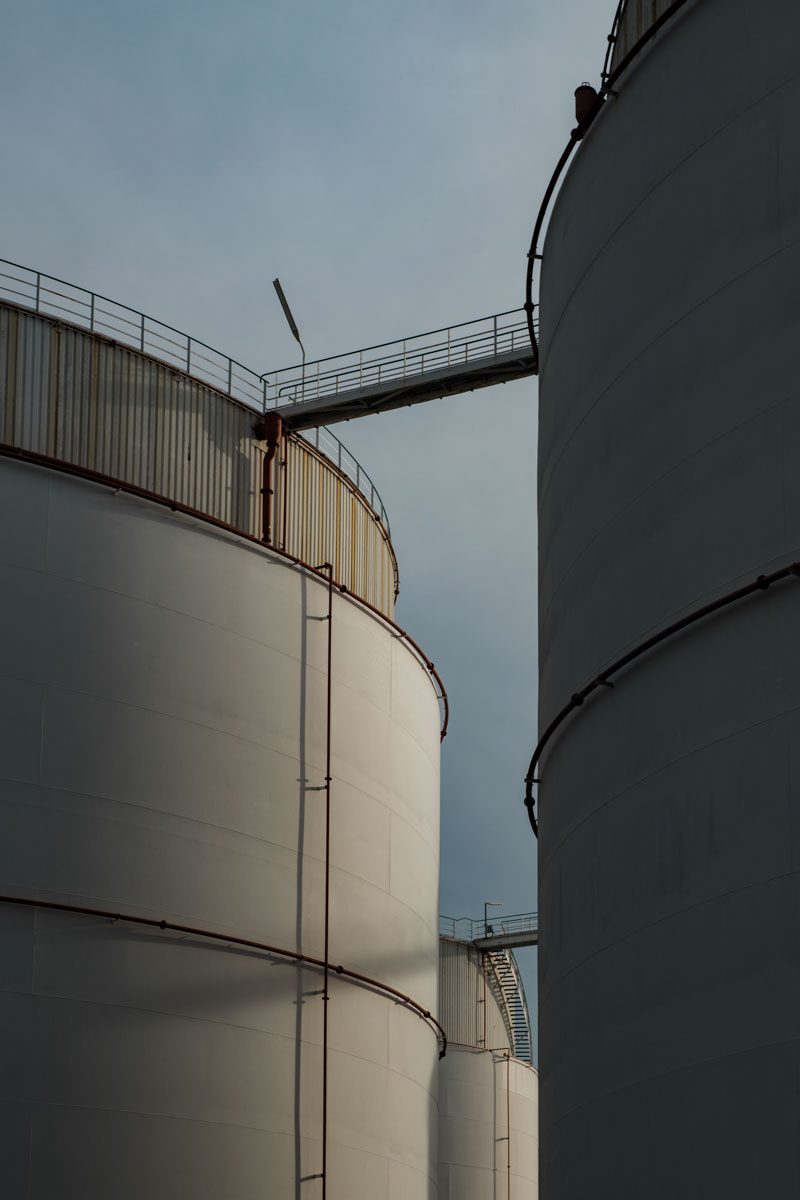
[268, 429]
[508, 1120]
[326, 955]
[285, 468]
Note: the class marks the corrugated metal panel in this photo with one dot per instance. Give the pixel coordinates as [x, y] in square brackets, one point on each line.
[69, 394]
[468, 1008]
[321, 517]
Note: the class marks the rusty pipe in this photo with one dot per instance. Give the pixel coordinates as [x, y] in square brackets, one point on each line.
[269, 429]
[248, 943]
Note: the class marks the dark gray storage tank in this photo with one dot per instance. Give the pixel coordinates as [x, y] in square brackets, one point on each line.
[668, 476]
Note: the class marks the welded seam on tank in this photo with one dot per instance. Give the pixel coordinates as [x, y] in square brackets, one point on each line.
[259, 1031]
[576, 136]
[554, 463]
[676, 166]
[765, 882]
[700, 1062]
[73, 691]
[183, 613]
[150, 1115]
[19, 454]
[144, 602]
[645, 350]
[771, 408]
[236, 942]
[603, 679]
[180, 818]
[740, 731]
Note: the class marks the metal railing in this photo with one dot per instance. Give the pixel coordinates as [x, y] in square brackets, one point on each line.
[54, 297]
[468, 930]
[614, 65]
[454, 346]
[509, 991]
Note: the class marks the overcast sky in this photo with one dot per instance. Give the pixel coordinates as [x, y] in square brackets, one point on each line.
[387, 161]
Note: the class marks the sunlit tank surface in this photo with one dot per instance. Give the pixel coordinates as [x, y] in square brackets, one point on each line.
[669, 806]
[163, 739]
[488, 1099]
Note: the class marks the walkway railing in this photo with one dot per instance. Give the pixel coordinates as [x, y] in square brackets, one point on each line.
[50, 296]
[469, 930]
[453, 346]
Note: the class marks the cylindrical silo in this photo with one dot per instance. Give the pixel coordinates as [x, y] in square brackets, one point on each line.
[669, 805]
[488, 1096]
[175, 698]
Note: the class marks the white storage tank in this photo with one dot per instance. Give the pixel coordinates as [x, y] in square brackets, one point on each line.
[488, 1095]
[669, 806]
[174, 700]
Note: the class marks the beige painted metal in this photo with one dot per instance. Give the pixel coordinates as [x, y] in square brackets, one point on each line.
[488, 1121]
[77, 396]
[636, 19]
[163, 752]
[488, 1100]
[327, 521]
[468, 1003]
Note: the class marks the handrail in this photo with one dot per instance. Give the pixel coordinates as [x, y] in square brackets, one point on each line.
[761, 584]
[119, 322]
[467, 929]
[420, 354]
[247, 943]
[606, 88]
[612, 38]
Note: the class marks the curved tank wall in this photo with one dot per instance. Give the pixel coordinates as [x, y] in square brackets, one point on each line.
[488, 1100]
[75, 396]
[669, 807]
[162, 752]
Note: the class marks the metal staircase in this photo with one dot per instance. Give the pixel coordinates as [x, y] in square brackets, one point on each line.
[506, 984]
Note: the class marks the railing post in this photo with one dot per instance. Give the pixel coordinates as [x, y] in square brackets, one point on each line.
[448, 347]
[230, 375]
[188, 355]
[264, 400]
[38, 288]
[141, 338]
[360, 366]
[495, 334]
[91, 313]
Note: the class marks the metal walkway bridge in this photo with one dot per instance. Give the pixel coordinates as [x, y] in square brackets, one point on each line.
[442, 362]
[497, 933]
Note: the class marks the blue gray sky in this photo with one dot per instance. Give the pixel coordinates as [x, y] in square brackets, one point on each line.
[385, 160]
